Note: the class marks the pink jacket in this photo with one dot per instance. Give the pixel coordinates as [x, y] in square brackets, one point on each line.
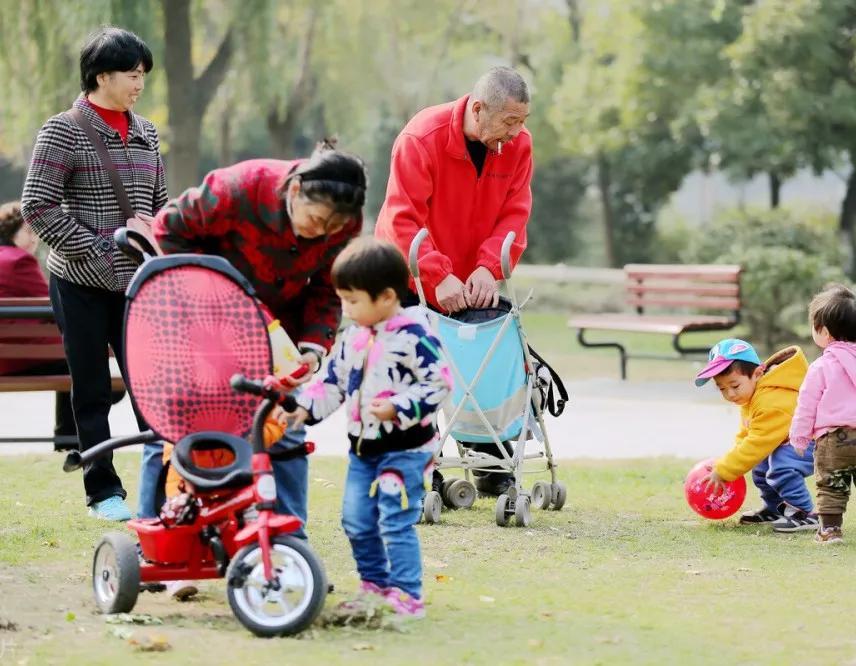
[827, 398]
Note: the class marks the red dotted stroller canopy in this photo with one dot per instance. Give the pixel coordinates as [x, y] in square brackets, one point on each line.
[191, 322]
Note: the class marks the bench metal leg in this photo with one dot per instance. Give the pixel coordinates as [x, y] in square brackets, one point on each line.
[676, 343]
[621, 350]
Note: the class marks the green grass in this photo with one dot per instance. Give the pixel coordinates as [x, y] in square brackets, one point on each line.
[625, 574]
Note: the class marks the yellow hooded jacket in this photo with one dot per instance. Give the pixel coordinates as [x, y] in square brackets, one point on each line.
[767, 418]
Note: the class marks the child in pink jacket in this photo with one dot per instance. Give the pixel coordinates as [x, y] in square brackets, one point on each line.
[826, 407]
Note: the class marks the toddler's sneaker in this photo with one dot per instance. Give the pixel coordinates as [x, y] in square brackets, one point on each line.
[368, 593]
[796, 520]
[181, 590]
[759, 517]
[404, 605]
[829, 535]
[113, 508]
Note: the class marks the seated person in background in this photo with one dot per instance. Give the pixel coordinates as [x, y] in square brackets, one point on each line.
[767, 396]
[21, 277]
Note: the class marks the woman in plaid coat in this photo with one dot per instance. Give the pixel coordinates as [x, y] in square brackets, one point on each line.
[70, 204]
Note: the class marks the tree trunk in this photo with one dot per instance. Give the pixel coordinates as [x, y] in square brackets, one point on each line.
[604, 182]
[847, 219]
[775, 189]
[226, 138]
[575, 18]
[187, 97]
[282, 127]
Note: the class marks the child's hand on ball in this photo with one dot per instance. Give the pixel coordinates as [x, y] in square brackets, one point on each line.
[382, 409]
[715, 482]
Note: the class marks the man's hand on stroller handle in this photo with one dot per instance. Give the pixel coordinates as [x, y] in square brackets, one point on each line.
[481, 289]
[309, 365]
[450, 294]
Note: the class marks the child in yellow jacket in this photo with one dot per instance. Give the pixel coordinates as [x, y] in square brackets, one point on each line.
[767, 396]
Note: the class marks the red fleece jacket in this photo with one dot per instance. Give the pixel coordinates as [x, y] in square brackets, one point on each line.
[433, 183]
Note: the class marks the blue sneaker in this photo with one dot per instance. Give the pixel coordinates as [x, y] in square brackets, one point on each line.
[113, 508]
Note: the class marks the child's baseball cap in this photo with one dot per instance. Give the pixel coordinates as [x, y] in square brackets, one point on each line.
[723, 354]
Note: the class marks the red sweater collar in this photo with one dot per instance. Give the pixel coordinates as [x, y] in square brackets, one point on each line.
[118, 120]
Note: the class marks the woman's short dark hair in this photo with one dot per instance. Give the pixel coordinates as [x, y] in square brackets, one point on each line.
[835, 308]
[333, 177]
[371, 265]
[111, 50]
[11, 222]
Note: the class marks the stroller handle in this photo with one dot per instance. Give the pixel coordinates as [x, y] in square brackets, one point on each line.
[75, 459]
[123, 237]
[413, 255]
[505, 257]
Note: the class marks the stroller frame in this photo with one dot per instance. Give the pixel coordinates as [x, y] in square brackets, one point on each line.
[517, 500]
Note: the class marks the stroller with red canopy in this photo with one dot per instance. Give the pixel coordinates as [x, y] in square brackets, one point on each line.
[198, 362]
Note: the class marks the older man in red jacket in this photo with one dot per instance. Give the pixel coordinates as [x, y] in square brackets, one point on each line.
[463, 170]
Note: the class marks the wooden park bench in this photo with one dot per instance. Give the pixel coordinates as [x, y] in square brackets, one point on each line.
[695, 298]
[31, 319]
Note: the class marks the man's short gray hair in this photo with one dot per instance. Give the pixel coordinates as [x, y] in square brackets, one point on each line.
[499, 84]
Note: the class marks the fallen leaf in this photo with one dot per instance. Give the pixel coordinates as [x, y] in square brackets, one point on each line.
[441, 578]
[362, 647]
[70, 617]
[51, 544]
[150, 643]
[487, 600]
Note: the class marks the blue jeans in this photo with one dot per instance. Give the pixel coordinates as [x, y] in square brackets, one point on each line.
[379, 517]
[150, 472]
[292, 480]
[781, 478]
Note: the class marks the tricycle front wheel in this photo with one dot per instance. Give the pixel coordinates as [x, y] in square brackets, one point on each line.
[291, 601]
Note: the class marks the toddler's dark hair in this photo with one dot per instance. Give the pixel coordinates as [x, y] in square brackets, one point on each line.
[835, 308]
[371, 265]
[745, 368]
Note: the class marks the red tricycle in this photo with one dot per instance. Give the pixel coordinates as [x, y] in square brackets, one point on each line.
[193, 334]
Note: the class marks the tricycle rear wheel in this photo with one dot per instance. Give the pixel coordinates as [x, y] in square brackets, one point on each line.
[116, 573]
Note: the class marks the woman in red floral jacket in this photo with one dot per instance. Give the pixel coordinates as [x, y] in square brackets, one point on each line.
[281, 224]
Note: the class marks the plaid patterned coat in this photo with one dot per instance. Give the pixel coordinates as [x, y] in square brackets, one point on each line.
[237, 214]
[70, 204]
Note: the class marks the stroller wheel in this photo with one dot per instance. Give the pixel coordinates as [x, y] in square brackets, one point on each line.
[502, 512]
[444, 493]
[294, 601]
[116, 573]
[560, 494]
[522, 511]
[461, 494]
[542, 495]
[431, 507]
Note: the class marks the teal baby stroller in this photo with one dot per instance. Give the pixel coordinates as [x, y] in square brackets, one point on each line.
[501, 389]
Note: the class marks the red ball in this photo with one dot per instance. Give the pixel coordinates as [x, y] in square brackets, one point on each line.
[709, 504]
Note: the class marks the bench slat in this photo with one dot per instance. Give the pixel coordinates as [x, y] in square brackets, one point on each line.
[701, 272]
[21, 330]
[46, 383]
[673, 324]
[31, 351]
[697, 303]
[683, 288]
